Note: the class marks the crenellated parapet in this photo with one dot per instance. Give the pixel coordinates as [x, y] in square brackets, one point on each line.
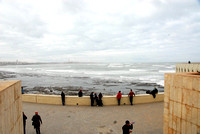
[186, 67]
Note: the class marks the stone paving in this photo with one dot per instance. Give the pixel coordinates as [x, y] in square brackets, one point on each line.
[59, 119]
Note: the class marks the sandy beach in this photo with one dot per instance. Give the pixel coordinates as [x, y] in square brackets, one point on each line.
[59, 119]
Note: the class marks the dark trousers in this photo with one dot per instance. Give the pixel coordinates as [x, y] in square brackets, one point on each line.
[24, 129]
[37, 129]
[118, 101]
[92, 102]
[63, 101]
[131, 100]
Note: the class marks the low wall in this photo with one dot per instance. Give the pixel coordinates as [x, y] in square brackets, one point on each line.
[10, 108]
[85, 100]
[185, 67]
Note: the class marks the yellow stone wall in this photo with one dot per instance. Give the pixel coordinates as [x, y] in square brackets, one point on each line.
[10, 108]
[182, 103]
[185, 67]
[74, 100]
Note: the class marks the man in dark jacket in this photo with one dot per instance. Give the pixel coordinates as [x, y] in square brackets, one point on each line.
[126, 128]
[80, 93]
[63, 98]
[36, 122]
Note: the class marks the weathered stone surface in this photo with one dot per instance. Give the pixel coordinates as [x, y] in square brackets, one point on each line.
[182, 103]
[10, 107]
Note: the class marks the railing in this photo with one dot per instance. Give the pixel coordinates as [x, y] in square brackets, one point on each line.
[186, 67]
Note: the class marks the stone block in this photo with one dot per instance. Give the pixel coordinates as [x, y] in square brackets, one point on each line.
[189, 97]
[188, 127]
[170, 121]
[170, 131]
[175, 94]
[166, 99]
[196, 84]
[198, 100]
[183, 115]
[179, 109]
[198, 117]
[29, 98]
[194, 129]
[194, 98]
[171, 107]
[166, 127]
[194, 115]
[188, 113]
[171, 94]
[187, 82]
[166, 90]
[166, 116]
[198, 129]
[174, 122]
[178, 125]
[183, 127]
[179, 96]
[185, 96]
[166, 111]
[175, 109]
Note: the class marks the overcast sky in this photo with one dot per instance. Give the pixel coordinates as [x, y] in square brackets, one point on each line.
[100, 30]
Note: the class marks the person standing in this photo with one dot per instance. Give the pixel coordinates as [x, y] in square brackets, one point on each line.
[131, 93]
[36, 122]
[119, 96]
[96, 98]
[92, 98]
[24, 122]
[63, 98]
[80, 93]
[100, 99]
[126, 128]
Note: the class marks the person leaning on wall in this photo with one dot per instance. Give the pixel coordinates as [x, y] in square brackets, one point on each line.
[119, 96]
[131, 93]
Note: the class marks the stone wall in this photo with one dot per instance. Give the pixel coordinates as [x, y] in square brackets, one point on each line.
[10, 108]
[185, 67]
[182, 103]
[74, 100]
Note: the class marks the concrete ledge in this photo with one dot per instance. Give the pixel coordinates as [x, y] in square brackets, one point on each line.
[85, 101]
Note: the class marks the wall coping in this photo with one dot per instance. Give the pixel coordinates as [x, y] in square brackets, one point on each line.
[85, 100]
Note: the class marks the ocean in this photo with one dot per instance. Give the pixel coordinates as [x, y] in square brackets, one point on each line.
[108, 78]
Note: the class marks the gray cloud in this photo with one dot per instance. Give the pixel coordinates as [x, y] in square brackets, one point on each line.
[114, 31]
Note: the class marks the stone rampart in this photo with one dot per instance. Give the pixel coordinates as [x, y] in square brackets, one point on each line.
[182, 103]
[85, 100]
[185, 67]
[10, 108]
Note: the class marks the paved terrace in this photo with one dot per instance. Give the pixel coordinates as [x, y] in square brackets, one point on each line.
[59, 119]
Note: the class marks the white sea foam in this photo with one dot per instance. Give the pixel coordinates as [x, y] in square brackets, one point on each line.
[167, 71]
[125, 73]
[137, 70]
[115, 65]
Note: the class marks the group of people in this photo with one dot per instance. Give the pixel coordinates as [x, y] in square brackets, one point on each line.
[119, 96]
[98, 99]
[36, 121]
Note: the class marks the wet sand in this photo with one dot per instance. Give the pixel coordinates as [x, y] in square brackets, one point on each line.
[59, 119]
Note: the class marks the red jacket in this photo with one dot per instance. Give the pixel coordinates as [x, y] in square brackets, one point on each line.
[119, 96]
